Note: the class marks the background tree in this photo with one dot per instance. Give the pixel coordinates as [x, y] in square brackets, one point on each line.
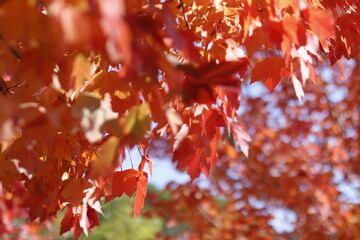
[84, 81]
[118, 223]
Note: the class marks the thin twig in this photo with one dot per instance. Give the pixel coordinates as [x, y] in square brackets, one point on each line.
[131, 162]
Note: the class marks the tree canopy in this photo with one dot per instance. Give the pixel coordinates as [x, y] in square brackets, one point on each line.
[259, 96]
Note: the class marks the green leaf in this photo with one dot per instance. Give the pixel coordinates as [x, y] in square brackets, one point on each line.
[137, 121]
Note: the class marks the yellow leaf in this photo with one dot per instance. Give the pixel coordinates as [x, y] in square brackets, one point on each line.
[107, 157]
[80, 73]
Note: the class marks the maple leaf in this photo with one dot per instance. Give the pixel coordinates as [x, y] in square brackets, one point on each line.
[211, 120]
[242, 137]
[258, 38]
[89, 217]
[129, 182]
[123, 182]
[73, 191]
[269, 70]
[81, 218]
[8, 173]
[106, 159]
[209, 157]
[196, 160]
[218, 73]
[26, 159]
[183, 153]
[136, 123]
[107, 82]
[287, 32]
[321, 23]
[200, 80]
[67, 222]
[181, 40]
[80, 73]
[81, 81]
[141, 187]
[294, 30]
[193, 162]
[117, 30]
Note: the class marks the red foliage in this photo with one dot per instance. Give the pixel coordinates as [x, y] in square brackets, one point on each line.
[83, 81]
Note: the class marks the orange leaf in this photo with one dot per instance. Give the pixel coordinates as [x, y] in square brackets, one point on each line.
[294, 30]
[268, 70]
[80, 73]
[211, 120]
[123, 182]
[73, 191]
[107, 158]
[193, 162]
[321, 23]
[141, 187]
